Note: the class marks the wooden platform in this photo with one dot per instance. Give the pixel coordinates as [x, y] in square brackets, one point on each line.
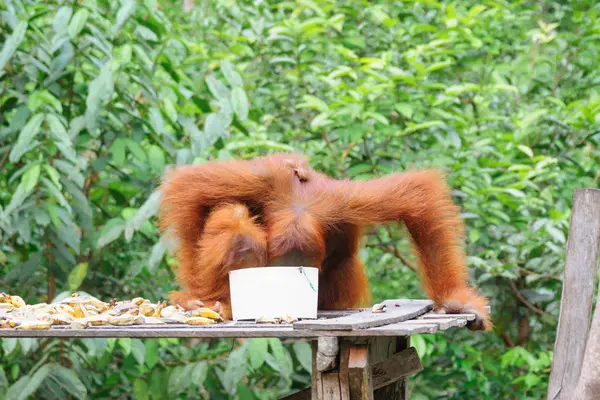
[357, 354]
[402, 318]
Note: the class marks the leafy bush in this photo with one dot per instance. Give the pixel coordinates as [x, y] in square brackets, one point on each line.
[98, 98]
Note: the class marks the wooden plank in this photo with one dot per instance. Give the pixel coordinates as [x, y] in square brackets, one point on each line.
[368, 319]
[442, 323]
[359, 374]
[344, 374]
[317, 386]
[588, 386]
[331, 385]
[400, 365]
[403, 329]
[578, 289]
[433, 315]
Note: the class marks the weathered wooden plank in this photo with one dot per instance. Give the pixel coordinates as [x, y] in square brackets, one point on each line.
[317, 387]
[442, 323]
[381, 349]
[400, 365]
[578, 289]
[344, 372]
[368, 319]
[359, 375]
[588, 385]
[331, 385]
[402, 329]
[433, 315]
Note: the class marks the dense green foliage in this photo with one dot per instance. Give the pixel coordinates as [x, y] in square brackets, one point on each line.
[97, 98]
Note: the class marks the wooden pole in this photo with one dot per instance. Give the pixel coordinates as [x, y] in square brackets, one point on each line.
[577, 294]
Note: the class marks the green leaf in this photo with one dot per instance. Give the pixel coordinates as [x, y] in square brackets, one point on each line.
[110, 232]
[257, 351]
[303, 351]
[418, 127]
[136, 149]
[462, 88]
[76, 276]
[156, 156]
[125, 11]
[17, 199]
[41, 97]
[61, 19]
[26, 137]
[31, 177]
[126, 344]
[240, 103]
[151, 347]
[53, 174]
[140, 390]
[57, 129]
[314, 103]
[526, 149]
[405, 109]
[217, 88]
[156, 120]
[170, 109]
[99, 92]
[118, 151]
[517, 193]
[138, 350]
[69, 381]
[11, 44]
[21, 389]
[78, 22]
[556, 234]
[232, 76]
[179, 379]
[214, 127]
[235, 370]
[199, 372]
[474, 235]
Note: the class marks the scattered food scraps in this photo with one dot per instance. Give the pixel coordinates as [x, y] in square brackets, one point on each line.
[80, 312]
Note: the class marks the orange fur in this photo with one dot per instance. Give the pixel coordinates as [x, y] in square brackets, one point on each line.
[276, 210]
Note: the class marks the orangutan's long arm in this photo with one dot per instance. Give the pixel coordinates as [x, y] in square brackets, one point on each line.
[422, 200]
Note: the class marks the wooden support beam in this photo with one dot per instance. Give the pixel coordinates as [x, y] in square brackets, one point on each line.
[401, 365]
[359, 374]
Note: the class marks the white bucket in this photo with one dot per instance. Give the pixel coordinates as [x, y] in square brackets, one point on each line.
[274, 292]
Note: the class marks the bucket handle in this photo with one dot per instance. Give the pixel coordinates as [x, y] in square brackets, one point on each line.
[303, 272]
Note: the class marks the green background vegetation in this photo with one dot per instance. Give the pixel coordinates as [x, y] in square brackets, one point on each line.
[97, 98]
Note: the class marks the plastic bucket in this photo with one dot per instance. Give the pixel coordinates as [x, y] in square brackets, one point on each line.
[274, 292]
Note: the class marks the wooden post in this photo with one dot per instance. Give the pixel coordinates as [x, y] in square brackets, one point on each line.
[577, 294]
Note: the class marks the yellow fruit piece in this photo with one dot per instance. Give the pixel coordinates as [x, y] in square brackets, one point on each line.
[137, 301]
[160, 308]
[97, 320]
[124, 320]
[17, 301]
[147, 310]
[34, 325]
[199, 321]
[206, 313]
[80, 311]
